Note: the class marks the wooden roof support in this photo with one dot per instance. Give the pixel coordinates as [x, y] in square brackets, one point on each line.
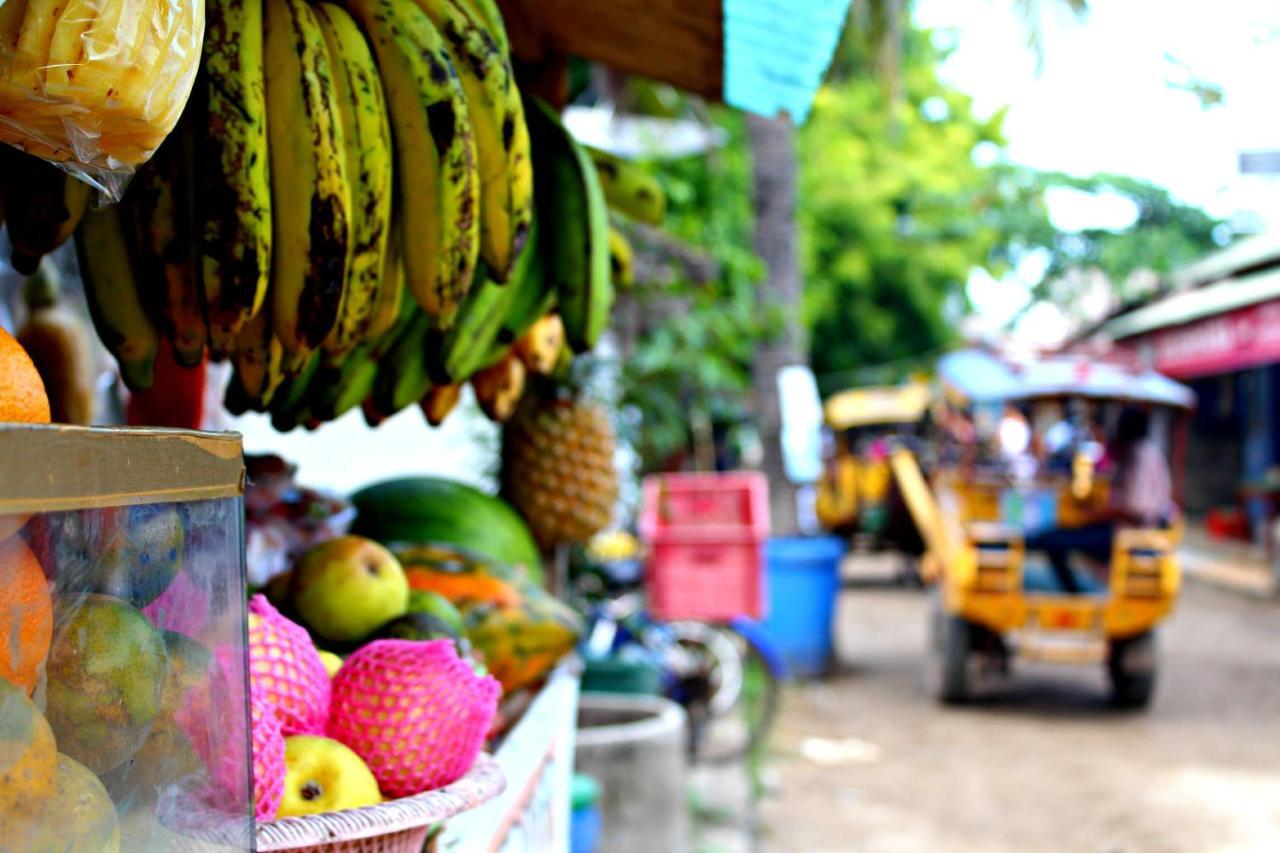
[680, 42]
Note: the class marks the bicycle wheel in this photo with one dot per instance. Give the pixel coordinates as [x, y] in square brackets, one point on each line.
[703, 654]
[733, 730]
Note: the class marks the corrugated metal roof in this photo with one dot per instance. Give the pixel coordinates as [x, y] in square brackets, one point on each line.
[777, 51]
[1179, 308]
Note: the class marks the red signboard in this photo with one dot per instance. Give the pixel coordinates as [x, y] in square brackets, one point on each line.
[1239, 339]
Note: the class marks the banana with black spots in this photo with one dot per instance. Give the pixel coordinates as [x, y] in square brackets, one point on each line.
[161, 202]
[259, 362]
[367, 137]
[571, 206]
[437, 182]
[234, 206]
[45, 206]
[501, 136]
[115, 301]
[311, 195]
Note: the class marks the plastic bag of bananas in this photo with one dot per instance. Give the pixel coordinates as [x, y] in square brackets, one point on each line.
[95, 86]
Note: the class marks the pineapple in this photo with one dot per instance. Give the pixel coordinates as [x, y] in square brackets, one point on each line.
[557, 468]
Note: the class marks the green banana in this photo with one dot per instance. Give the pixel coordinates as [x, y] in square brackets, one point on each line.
[115, 302]
[501, 137]
[235, 181]
[45, 206]
[341, 387]
[289, 403]
[437, 177]
[570, 197]
[311, 195]
[403, 375]
[629, 189]
[160, 201]
[367, 137]
[622, 262]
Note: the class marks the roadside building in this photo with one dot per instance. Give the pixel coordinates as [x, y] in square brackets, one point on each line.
[1216, 327]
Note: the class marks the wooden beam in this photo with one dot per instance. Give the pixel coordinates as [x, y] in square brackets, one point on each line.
[680, 42]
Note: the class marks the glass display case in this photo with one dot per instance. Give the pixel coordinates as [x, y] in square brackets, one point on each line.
[123, 718]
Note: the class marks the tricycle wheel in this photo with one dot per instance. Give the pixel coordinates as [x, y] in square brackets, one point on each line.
[950, 648]
[1131, 663]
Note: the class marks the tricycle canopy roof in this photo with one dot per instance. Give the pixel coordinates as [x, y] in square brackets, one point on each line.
[901, 404]
[981, 376]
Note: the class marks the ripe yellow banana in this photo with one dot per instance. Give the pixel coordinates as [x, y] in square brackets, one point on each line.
[498, 388]
[259, 361]
[539, 348]
[311, 197]
[487, 13]
[160, 202]
[115, 302]
[501, 136]
[235, 227]
[390, 296]
[437, 182]
[367, 137]
[439, 402]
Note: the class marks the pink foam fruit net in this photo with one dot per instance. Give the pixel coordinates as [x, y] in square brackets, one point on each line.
[415, 711]
[285, 666]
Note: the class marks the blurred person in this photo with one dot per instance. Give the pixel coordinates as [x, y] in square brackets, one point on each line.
[1141, 496]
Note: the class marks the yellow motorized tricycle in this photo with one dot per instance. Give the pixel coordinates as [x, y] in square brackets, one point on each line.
[857, 497]
[993, 601]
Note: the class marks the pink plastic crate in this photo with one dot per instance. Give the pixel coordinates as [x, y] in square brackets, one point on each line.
[706, 534]
[736, 502]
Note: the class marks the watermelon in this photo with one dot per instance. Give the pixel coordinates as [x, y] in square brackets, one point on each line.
[419, 510]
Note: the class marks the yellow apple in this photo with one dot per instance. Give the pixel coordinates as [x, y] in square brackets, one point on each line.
[332, 663]
[323, 775]
[346, 588]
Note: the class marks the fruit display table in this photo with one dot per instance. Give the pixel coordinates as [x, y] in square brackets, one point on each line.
[536, 756]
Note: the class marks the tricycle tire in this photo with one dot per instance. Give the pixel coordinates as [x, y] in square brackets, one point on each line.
[1131, 664]
[950, 647]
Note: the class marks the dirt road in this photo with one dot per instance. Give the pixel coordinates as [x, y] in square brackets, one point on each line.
[865, 761]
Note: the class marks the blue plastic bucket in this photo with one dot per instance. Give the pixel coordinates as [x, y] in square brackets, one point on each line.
[803, 581]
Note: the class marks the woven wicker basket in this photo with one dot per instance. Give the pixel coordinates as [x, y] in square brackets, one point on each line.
[396, 826]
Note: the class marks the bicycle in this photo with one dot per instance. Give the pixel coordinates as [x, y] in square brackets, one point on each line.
[726, 677]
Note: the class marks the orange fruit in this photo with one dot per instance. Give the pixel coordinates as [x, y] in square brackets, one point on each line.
[26, 614]
[28, 764]
[22, 400]
[22, 396]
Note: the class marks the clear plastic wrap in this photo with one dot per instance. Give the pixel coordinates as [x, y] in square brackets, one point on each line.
[95, 86]
[123, 711]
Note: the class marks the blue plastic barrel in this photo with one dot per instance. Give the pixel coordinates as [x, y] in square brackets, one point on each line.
[803, 581]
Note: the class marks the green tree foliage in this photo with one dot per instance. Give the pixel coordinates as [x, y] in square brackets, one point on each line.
[695, 365]
[890, 208]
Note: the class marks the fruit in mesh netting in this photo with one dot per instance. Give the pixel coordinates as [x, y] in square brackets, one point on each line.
[217, 733]
[558, 469]
[26, 614]
[285, 666]
[28, 760]
[106, 672]
[415, 711]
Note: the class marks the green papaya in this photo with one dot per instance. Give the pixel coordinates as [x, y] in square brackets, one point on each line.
[418, 510]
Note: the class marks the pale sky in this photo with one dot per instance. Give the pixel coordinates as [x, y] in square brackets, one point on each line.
[1101, 103]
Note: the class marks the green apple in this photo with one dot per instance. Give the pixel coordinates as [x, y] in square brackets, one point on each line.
[346, 588]
[323, 775]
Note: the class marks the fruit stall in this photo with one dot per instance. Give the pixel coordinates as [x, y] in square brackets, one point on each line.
[300, 210]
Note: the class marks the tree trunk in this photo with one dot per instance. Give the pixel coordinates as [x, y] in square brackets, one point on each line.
[774, 196]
